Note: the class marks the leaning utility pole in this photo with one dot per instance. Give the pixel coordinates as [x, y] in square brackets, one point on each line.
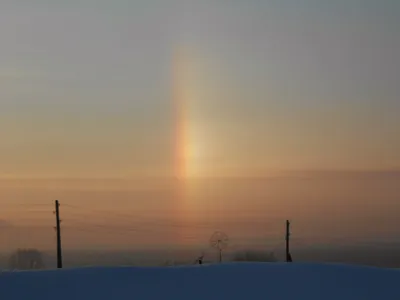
[288, 256]
[59, 254]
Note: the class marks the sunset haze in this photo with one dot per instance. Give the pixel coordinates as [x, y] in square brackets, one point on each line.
[157, 122]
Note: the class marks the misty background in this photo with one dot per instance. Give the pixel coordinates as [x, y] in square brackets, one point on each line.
[348, 217]
[290, 110]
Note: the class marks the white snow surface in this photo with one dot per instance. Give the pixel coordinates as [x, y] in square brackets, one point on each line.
[295, 281]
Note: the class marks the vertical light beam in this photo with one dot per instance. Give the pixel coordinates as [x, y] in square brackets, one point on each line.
[180, 98]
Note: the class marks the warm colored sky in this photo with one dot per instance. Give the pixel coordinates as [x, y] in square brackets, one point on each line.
[86, 87]
[123, 88]
[96, 88]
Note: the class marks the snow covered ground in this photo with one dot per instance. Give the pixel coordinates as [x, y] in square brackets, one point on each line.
[207, 282]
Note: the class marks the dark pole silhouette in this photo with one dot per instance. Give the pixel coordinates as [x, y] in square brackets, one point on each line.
[59, 253]
[288, 256]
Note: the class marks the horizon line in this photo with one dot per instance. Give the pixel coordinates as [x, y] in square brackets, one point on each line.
[270, 175]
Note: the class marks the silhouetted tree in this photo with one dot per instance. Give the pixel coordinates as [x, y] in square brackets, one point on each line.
[26, 259]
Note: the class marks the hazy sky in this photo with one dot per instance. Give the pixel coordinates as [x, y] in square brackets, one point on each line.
[86, 87]
[121, 88]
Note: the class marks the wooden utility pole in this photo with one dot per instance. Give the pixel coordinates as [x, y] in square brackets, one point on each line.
[288, 256]
[59, 253]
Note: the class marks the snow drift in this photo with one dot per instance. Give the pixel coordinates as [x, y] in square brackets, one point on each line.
[206, 282]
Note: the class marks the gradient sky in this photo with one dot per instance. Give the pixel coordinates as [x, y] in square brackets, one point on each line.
[96, 88]
[86, 86]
